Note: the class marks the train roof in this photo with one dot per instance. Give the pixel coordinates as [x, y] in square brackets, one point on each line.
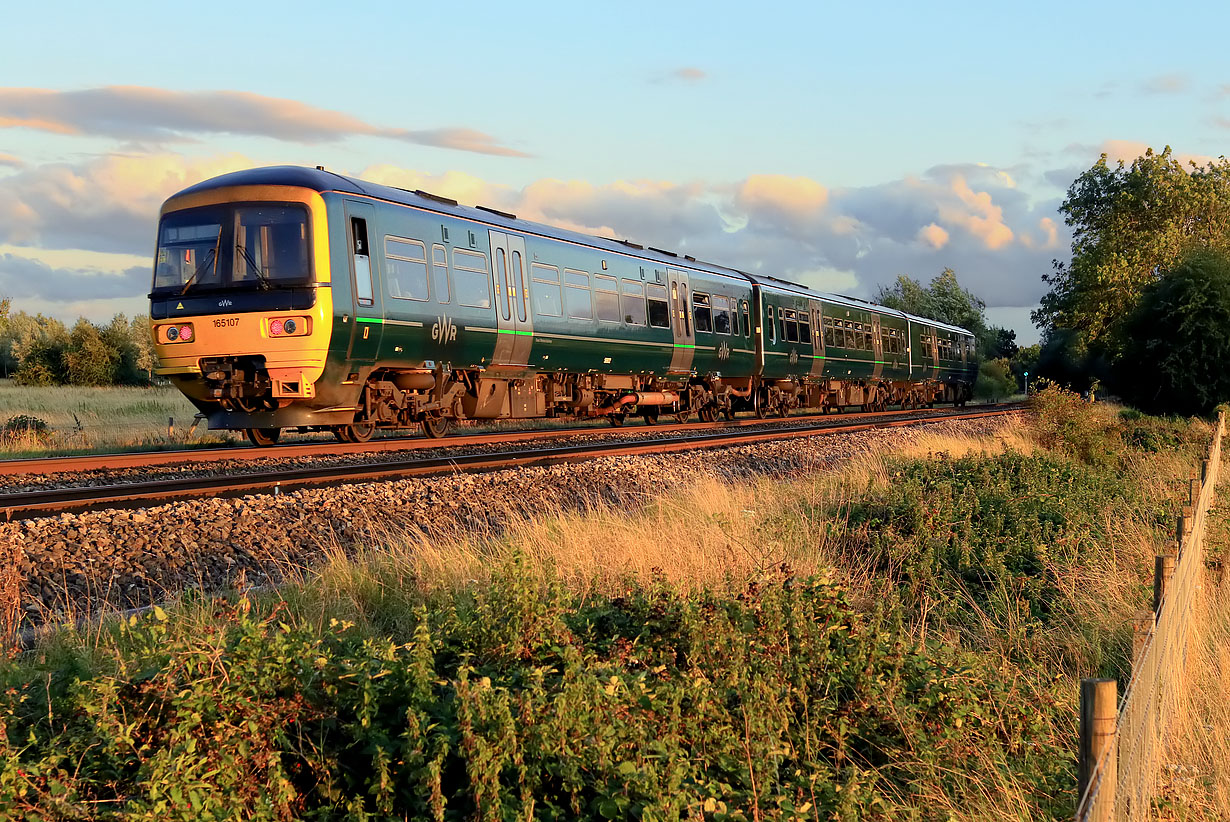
[320, 180]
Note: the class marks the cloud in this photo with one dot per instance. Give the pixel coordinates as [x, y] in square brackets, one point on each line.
[150, 114]
[107, 204]
[1126, 151]
[1172, 83]
[972, 217]
[933, 236]
[10, 161]
[24, 278]
[685, 74]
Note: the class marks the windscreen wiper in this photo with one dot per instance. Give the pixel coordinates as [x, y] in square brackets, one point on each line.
[265, 284]
[213, 252]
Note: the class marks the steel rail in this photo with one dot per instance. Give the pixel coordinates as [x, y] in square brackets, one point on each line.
[32, 504]
[144, 459]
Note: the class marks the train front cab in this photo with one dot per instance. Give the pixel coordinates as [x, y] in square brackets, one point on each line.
[241, 309]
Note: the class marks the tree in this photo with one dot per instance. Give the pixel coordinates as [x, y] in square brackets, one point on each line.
[144, 345]
[89, 359]
[944, 300]
[1130, 224]
[38, 349]
[1177, 340]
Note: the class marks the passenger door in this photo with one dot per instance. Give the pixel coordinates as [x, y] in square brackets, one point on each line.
[514, 320]
[367, 304]
[683, 335]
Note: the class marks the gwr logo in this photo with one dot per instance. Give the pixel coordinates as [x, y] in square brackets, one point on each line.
[444, 331]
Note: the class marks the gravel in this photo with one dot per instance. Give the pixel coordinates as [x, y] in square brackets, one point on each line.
[81, 563]
[246, 463]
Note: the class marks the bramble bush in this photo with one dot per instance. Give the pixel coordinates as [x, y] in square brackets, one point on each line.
[522, 701]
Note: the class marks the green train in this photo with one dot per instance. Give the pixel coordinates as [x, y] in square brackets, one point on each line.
[296, 298]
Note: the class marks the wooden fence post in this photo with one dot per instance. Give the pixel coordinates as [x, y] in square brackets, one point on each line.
[1141, 626]
[1194, 491]
[1204, 471]
[1099, 709]
[1163, 570]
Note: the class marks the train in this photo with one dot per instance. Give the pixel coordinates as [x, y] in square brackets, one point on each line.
[291, 298]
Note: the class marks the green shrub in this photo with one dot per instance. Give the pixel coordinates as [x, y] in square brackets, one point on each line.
[1066, 423]
[25, 427]
[520, 701]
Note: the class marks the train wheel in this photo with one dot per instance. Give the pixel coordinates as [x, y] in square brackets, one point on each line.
[616, 419]
[263, 437]
[436, 427]
[728, 413]
[683, 416]
[360, 431]
[708, 413]
[650, 415]
[760, 410]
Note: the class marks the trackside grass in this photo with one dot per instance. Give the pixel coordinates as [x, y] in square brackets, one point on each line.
[900, 639]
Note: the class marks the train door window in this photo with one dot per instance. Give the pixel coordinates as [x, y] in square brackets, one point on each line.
[407, 269]
[471, 279]
[548, 301]
[362, 261]
[659, 306]
[804, 328]
[606, 298]
[687, 317]
[747, 320]
[721, 314]
[501, 283]
[439, 275]
[632, 301]
[772, 323]
[577, 295]
[701, 313]
[520, 289]
[790, 325]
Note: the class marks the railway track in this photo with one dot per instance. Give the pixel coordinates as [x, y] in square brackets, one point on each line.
[50, 501]
[44, 466]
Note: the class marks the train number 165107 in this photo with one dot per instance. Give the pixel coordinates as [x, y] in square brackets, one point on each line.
[226, 322]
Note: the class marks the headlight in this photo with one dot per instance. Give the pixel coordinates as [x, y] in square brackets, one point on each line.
[289, 326]
[181, 333]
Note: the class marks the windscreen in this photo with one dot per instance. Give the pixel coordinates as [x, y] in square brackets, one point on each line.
[225, 247]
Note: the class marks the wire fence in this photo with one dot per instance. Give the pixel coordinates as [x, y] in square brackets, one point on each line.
[1121, 750]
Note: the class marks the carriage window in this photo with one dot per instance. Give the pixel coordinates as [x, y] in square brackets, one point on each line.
[848, 335]
[439, 275]
[659, 307]
[703, 318]
[790, 324]
[804, 328]
[546, 290]
[747, 322]
[606, 298]
[471, 280]
[407, 274]
[632, 301]
[577, 295]
[721, 314]
[829, 341]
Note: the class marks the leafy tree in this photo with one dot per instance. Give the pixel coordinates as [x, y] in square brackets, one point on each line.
[944, 300]
[144, 347]
[994, 380]
[1130, 224]
[37, 349]
[89, 359]
[1177, 340]
[1025, 361]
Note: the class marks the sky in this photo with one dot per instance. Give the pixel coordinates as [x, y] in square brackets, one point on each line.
[839, 145]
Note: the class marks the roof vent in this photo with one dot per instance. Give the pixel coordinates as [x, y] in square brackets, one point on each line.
[428, 195]
[497, 211]
[663, 251]
[630, 244]
[689, 257]
[320, 168]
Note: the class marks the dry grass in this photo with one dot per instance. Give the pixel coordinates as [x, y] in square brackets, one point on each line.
[100, 419]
